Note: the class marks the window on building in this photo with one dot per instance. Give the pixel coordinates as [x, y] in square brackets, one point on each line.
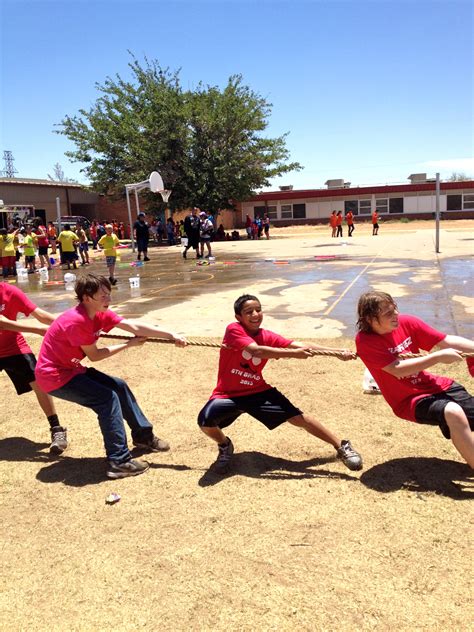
[259, 211]
[351, 205]
[365, 207]
[272, 212]
[395, 205]
[381, 204]
[454, 202]
[299, 211]
[286, 211]
[468, 202]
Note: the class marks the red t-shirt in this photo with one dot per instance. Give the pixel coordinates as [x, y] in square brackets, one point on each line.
[12, 302]
[378, 351]
[333, 220]
[350, 218]
[338, 220]
[239, 372]
[43, 240]
[60, 355]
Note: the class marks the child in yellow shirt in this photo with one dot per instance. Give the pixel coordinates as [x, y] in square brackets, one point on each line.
[109, 243]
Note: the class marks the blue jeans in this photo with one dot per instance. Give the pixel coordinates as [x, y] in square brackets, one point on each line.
[113, 401]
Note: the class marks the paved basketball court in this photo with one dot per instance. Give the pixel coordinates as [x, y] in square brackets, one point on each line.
[309, 284]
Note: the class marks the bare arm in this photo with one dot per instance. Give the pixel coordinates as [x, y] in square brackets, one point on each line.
[343, 354]
[275, 353]
[145, 330]
[457, 342]
[22, 326]
[402, 368]
[43, 316]
[95, 353]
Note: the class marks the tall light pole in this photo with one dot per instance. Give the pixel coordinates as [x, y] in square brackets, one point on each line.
[437, 211]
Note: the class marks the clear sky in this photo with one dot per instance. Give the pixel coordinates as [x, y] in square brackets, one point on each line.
[369, 91]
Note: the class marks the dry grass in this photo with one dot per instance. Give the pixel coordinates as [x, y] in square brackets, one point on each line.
[291, 540]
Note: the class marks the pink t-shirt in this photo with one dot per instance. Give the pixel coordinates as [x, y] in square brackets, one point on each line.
[378, 351]
[60, 355]
[12, 302]
[239, 372]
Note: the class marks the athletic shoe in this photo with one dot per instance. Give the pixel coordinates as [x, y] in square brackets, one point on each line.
[184, 254]
[133, 467]
[112, 281]
[349, 456]
[58, 440]
[152, 445]
[146, 259]
[221, 465]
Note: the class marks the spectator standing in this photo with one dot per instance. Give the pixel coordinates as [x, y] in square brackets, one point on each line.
[192, 225]
[68, 240]
[170, 231]
[339, 224]
[42, 242]
[333, 223]
[109, 243]
[142, 235]
[52, 235]
[375, 223]
[350, 222]
[248, 227]
[93, 233]
[83, 244]
[205, 235]
[266, 226]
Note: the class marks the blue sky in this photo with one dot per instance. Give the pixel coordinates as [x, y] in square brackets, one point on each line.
[369, 91]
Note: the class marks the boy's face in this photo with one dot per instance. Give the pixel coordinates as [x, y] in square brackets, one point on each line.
[387, 319]
[100, 300]
[251, 316]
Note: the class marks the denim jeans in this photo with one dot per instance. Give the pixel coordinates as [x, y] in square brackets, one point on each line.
[113, 401]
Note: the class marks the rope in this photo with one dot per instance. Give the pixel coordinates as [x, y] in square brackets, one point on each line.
[217, 345]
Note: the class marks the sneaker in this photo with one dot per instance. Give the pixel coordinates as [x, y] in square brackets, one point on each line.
[184, 254]
[133, 467]
[146, 258]
[349, 456]
[153, 445]
[221, 465]
[58, 440]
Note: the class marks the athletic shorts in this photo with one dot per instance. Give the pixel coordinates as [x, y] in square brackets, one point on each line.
[68, 257]
[430, 409]
[84, 247]
[270, 407]
[110, 261]
[21, 371]
[30, 258]
[375, 225]
[43, 250]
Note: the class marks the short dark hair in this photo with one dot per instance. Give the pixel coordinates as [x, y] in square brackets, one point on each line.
[67, 226]
[369, 307]
[90, 284]
[239, 303]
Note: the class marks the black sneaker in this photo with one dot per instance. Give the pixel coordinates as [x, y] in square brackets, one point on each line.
[349, 456]
[152, 445]
[184, 254]
[58, 440]
[226, 450]
[133, 467]
[146, 259]
[112, 281]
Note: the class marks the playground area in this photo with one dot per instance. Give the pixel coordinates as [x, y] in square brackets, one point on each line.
[290, 539]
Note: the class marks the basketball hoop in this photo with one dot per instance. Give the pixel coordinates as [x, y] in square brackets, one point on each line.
[165, 194]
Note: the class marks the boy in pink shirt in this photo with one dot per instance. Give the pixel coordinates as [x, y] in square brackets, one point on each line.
[17, 359]
[72, 337]
[413, 394]
[242, 388]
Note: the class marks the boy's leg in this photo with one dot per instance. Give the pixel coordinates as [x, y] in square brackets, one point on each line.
[87, 391]
[218, 414]
[461, 433]
[314, 427]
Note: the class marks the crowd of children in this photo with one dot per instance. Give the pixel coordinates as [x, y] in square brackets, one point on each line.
[336, 223]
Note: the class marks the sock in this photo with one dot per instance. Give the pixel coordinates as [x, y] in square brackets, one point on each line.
[53, 421]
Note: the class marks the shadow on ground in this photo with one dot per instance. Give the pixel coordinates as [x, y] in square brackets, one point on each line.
[259, 465]
[422, 475]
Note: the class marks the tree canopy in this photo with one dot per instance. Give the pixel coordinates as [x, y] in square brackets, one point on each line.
[208, 143]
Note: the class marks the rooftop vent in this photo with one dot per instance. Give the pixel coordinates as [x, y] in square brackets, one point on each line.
[417, 178]
[335, 184]
[286, 187]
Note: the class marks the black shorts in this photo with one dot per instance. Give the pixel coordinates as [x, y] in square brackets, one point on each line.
[43, 250]
[270, 407]
[21, 370]
[69, 257]
[430, 409]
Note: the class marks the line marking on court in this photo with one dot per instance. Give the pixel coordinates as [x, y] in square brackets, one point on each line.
[341, 296]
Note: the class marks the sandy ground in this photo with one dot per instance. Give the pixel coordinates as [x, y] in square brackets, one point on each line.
[289, 540]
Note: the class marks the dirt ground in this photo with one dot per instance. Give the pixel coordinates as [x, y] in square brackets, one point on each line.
[289, 540]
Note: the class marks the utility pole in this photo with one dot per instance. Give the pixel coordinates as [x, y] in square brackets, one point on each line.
[9, 171]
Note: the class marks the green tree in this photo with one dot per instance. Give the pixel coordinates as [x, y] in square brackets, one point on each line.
[458, 177]
[208, 144]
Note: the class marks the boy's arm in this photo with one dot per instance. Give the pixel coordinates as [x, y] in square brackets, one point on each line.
[22, 326]
[95, 353]
[145, 330]
[275, 353]
[342, 354]
[402, 368]
[457, 342]
[43, 316]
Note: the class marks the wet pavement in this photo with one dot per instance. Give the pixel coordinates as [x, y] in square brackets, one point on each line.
[309, 290]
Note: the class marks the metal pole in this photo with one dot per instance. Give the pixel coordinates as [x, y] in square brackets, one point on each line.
[58, 214]
[437, 211]
[130, 219]
[136, 201]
